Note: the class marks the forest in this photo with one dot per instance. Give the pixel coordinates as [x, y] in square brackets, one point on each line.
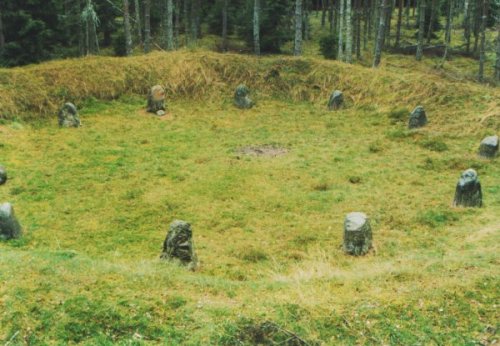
[32, 31]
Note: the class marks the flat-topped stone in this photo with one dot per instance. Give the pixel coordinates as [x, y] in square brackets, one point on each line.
[489, 147]
[357, 234]
[9, 226]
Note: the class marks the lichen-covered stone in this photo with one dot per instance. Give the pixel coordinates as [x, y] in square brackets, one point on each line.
[357, 234]
[418, 118]
[241, 97]
[68, 116]
[156, 100]
[9, 226]
[178, 245]
[489, 147]
[3, 175]
[336, 100]
[468, 191]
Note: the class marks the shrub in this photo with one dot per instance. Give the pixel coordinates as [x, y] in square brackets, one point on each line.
[328, 46]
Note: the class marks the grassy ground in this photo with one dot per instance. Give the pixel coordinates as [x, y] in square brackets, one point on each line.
[96, 202]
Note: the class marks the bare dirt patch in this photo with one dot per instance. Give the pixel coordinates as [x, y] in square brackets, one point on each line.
[264, 150]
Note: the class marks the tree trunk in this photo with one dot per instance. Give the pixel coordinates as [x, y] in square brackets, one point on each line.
[187, 34]
[147, 26]
[348, 24]
[126, 23]
[407, 14]
[2, 37]
[224, 26]
[482, 52]
[380, 35]
[81, 33]
[429, 29]
[298, 28]
[138, 21]
[177, 22]
[323, 13]
[170, 25]
[194, 20]
[365, 23]
[398, 28]
[497, 65]
[467, 26]
[447, 38]
[341, 30]
[420, 45]
[358, 29]
[388, 19]
[256, 27]
[306, 24]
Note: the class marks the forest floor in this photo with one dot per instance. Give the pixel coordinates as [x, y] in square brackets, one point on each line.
[96, 202]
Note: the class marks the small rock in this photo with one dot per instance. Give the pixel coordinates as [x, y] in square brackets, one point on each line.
[489, 147]
[468, 191]
[179, 246]
[68, 116]
[418, 118]
[357, 234]
[9, 226]
[241, 97]
[3, 175]
[160, 113]
[336, 100]
[156, 100]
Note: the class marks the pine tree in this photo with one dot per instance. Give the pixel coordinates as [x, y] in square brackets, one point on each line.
[398, 27]
[298, 28]
[497, 64]
[341, 30]
[420, 44]
[126, 23]
[170, 25]
[348, 24]
[224, 26]
[147, 26]
[256, 26]
[482, 53]
[380, 35]
[138, 21]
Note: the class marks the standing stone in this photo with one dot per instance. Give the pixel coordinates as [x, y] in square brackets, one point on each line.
[468, 192]
[418, 118]
[179, 245]
[3, 175]
[336, 100]
[357, 234]
[156, 100]
[68, 116]
[9, 226]
[241, 97]
[489, 147]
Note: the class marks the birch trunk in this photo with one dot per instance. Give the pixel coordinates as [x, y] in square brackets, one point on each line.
[497, 65]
